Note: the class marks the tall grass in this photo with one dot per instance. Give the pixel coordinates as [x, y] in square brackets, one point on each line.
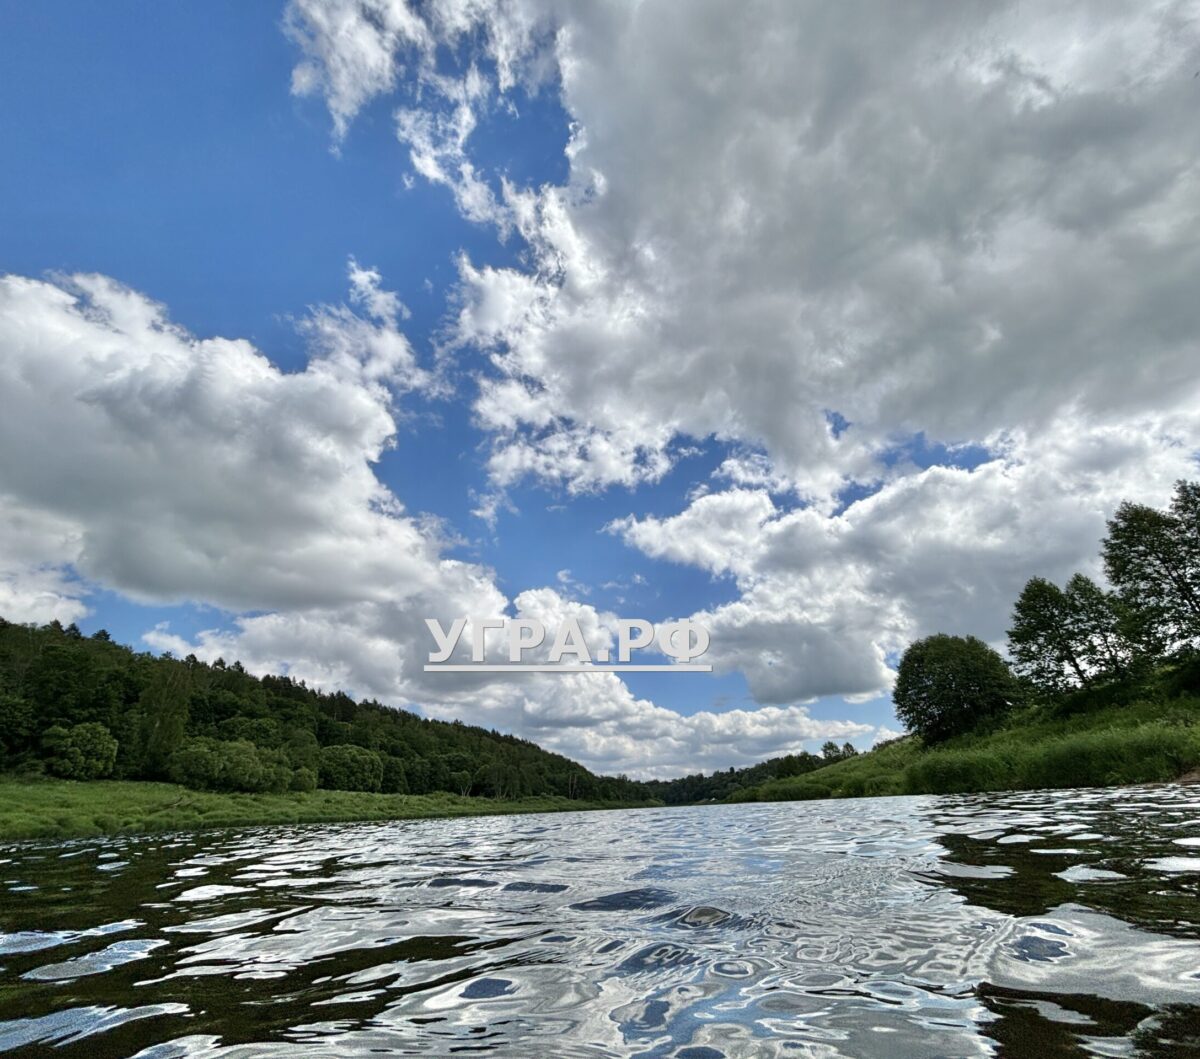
[65, 808]
[1143, 742]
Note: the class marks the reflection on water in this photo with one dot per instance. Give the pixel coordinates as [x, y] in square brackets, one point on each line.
[1037, 924]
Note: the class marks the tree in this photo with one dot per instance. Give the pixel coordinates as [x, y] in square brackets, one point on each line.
[395, 779]
[82, 752]
[218, 726]
[229, 765]
[1152, 558]
[350, 768]
[303, 779]
[164, 710]
[1099, 621]
[947, 684]
[1062, 639]
[197, 763]
[17, 722]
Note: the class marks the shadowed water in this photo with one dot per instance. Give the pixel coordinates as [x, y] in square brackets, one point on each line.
[1037, 924]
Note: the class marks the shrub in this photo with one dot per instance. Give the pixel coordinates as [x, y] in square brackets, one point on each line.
[395, 779]
[229, 765]
[197, 763]
[242, 768]
[350, 768]
[82, 752]
[946, 684]
[802, 790]
[304, 779]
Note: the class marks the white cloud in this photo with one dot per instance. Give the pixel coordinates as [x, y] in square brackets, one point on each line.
[350, 50]
[883, 734]
[172, 468]
[826, 599]
[34, 548]
[956, 220]
[976, 222]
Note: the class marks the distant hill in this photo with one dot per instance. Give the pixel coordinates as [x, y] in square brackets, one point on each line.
[86, 708]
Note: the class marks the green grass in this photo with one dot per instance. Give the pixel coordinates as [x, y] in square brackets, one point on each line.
[66, 809]
[1038, 747]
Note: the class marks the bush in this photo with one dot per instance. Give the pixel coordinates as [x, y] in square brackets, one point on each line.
[395, 779]
[304, 779]
[82, 752]
[946, 684]
[241, 768]
[350, 768]
[801, 790]
[224, 765]
[198, 764]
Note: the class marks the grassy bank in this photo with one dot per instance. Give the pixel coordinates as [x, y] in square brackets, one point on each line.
[1038, 747]
[67, 809]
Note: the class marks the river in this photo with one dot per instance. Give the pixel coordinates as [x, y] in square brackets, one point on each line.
[1037, 924]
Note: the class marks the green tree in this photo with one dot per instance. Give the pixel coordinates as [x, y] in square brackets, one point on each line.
[303, 779]
[163, 706]
[1152, 558]
[350, 768]
[947, 684]
[1039, 641]
[229, 765]
[303, 750]
[1099, 621]
[17, 722]
[82, 752]
[1068, 638]
[197, 763]
[395, 777]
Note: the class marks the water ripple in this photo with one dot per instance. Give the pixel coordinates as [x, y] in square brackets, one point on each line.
[1032, 924]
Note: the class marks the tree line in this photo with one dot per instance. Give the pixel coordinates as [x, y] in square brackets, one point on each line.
[721, 785]
[85, 707]
[1076, 639]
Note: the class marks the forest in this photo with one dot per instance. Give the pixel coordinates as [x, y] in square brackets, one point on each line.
[84, 707]
[78, 707]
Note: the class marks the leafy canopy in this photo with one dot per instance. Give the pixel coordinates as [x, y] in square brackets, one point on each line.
[946, 684]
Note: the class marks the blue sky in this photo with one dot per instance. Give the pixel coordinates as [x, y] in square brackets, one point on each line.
[873, 405]
[218, 195]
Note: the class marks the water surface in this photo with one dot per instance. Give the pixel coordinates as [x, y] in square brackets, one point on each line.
[1036, 924]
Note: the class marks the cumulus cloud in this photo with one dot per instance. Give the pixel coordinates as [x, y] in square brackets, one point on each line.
[172, 468]
[35, 547]
[817, 233]
[808, 231]
[956, 220]
[182, 463]
[826, 600]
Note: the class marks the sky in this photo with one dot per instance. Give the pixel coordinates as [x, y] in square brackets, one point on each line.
[825, 326]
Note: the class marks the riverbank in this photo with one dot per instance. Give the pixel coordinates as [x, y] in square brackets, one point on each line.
[47, 808]
[1040, 747]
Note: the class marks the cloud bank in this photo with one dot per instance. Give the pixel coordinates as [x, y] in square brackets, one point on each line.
[176, 469]
[927, 271]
